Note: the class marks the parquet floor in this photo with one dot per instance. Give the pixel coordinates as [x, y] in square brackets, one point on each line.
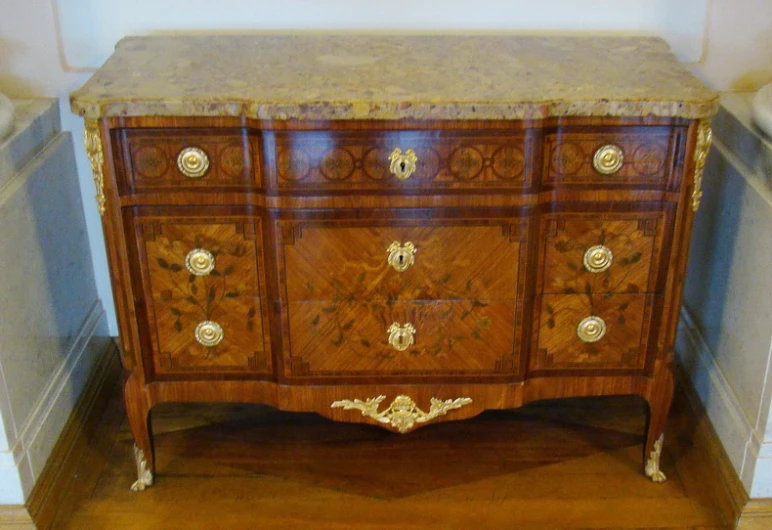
[562, 464]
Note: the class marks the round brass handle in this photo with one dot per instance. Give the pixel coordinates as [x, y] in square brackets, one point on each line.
[591, 329]
[193, 162]
[608, 159]
[598, 258]
[402, 165]
[401, 337]
[199, 262]
[401, 257]
[209, 333]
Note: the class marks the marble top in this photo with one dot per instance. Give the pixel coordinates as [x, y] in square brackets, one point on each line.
[393, 77]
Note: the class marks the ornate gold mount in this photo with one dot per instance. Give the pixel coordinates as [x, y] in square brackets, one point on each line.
[704, 139]
[93, 143]
[401, 257]
[608, 159]
[403, 413]
[144, 475]
[401, 337]
[402, 165]
[652, 464]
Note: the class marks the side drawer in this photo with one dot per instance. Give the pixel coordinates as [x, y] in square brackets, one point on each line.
[201, 282]
[599, 252]
[595, 332]
[186, 159]
[633, 157]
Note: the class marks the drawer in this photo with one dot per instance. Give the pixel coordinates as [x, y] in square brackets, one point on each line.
[641, 156]
[603, 252]
[464, 337]
[370, 160]
[187, 158]
[200, 282]
[402, 259]
[592, 332]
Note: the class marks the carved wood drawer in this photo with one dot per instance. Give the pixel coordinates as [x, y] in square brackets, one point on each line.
[201, 281]
[370, 160]
[387, 338]
[614, 157]
[591, 252]
[187, 158]
[592, 332]
[404, 259]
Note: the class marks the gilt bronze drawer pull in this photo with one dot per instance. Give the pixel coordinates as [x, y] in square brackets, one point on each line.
[591, 329]
[402, 165]
[608, 159]
[193, 162]
[598, 258]
[401, 337]
[401, 257]
[209, 333]
[199, 262]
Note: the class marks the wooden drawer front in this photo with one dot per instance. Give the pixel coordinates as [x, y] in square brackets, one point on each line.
[575, 247]
[558, 346]
[451, 338]
[648, 155]
[150, 157]
[178, 301]
[337, 160]
[349, 260]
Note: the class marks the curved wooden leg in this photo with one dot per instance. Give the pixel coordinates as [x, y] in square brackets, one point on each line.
[138, 413]
[660, 397]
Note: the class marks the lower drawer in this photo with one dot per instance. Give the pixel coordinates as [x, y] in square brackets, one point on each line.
[592, 331]
[421, 338]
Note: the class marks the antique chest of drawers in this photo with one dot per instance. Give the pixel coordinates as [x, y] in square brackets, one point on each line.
[395, 230]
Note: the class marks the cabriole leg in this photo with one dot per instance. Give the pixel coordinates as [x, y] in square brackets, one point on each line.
[659, 406]
[138, 414]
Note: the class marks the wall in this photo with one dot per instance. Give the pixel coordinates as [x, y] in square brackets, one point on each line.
[725, 340]
[51, 320]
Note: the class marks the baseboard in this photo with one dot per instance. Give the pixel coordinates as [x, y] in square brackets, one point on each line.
[47, 418]
[736, 431]
[15, 517]
[757, 515]
[703, 448]
[62, 465]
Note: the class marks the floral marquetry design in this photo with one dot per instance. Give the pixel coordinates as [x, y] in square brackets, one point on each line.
[209, 318]
[617, 253]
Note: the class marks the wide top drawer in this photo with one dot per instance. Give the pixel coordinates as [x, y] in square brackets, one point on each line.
[414, 160]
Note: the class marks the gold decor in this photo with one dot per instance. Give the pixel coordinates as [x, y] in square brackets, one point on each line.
[608, 159]
[209, 333]
[652, 464]
[93, 143]
[401, 257]
[193, 162]
[199, 262]
[402, 165]
[403, 413]
[704, 139]
[591, 329]
[598, 259]
[144, 475]
[401, 337]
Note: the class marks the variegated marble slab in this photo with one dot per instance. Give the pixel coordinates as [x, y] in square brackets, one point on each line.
[393, 77]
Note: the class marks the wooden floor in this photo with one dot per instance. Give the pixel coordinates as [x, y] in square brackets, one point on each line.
[564, 464]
